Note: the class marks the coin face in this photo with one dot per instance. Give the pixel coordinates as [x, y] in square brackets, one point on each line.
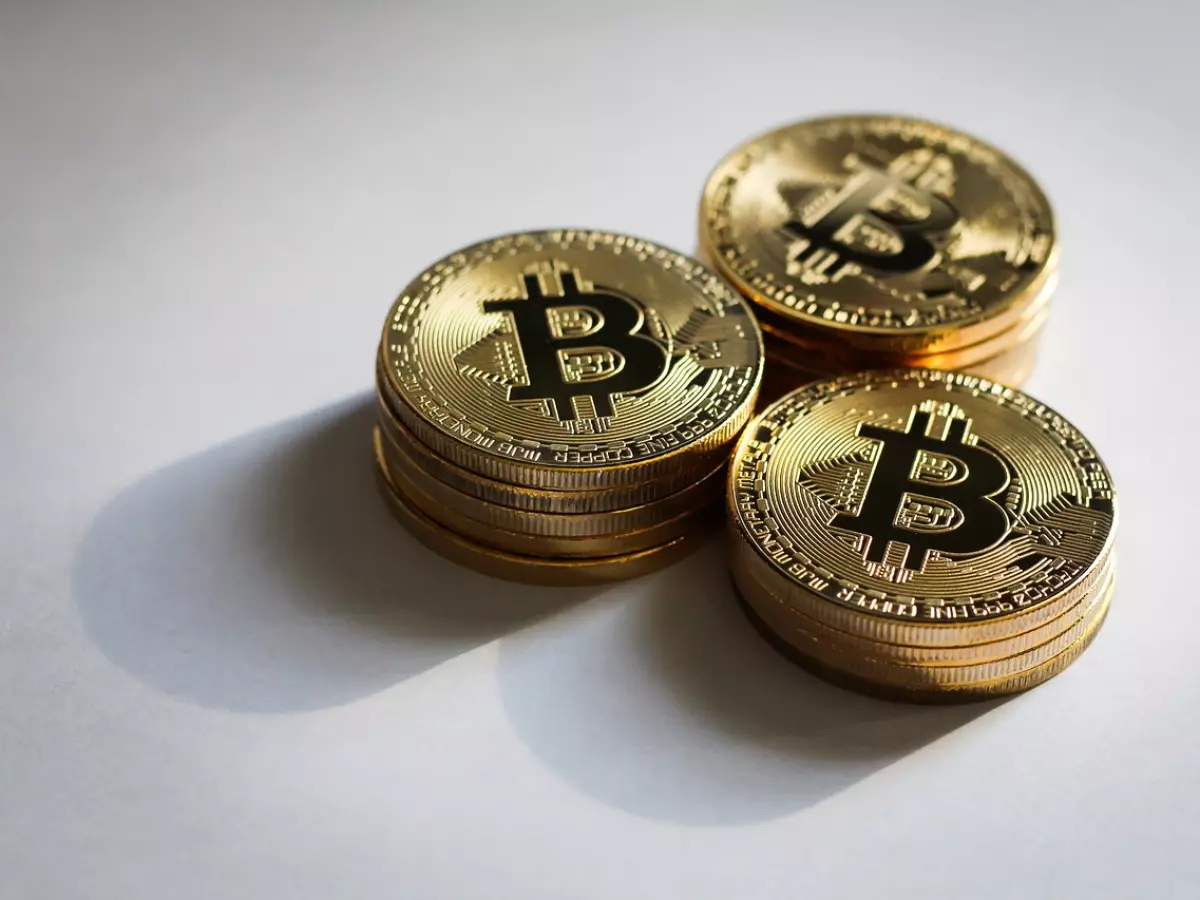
[895, 233]
[922, 498]
[571, 359]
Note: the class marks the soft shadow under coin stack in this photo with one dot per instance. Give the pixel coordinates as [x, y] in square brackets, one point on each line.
[559, 407]
[922, 535]
[871, 242]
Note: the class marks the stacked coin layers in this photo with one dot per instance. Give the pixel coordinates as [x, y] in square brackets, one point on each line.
[880, 242]
[559, 407]
[921, 534]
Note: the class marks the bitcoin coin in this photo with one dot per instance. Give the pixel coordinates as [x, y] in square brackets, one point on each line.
[881, 233]
[934, 695]
[529, 569]
[448, 512]
[573, 360]
[782, 618]
[662, 514]
[947, 676]
[780, 340]
[1011, 366]
[921, 507]
[536, 500]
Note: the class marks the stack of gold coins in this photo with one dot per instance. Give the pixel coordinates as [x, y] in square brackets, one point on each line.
[559, 407]
[922, 535]
[871, 242]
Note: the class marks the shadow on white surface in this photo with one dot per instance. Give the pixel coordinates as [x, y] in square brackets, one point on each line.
[266, 575]
[672, 707]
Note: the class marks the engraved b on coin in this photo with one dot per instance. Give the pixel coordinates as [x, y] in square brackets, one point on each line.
[876, 220]
[578, 348]
[928, 493]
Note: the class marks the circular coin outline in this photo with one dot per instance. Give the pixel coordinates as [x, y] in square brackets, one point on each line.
[744, 499]
[727, 253]
[699, 436]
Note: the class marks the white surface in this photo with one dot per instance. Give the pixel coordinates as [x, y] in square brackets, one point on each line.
[226, 673]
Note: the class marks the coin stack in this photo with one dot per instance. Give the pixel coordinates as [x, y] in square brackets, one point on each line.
[873, 242]
[922, 535]
[559, 407]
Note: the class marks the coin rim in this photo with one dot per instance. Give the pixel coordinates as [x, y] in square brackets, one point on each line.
[527, 543]
[919, 676]
[776, 611]
[530, 569]
[968, 694]
[537, 500]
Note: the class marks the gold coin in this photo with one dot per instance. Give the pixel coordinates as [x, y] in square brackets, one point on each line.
[783, 618]
[1010, 367]
[530, 569]
[921, 507]
[534, 499]
[701, 495]
[573, 360]
[965, 694]
[440, 505]
[880, 232]
[950, 676]
[782, 343]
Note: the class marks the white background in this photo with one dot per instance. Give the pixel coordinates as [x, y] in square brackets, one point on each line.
[226, 673]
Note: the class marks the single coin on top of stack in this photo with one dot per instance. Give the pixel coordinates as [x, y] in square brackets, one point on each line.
[922, 535]
[870, 242]
[559, 407]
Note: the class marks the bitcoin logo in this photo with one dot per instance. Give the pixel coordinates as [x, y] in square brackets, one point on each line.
[580, 348]
[928, 493]
[877, 221]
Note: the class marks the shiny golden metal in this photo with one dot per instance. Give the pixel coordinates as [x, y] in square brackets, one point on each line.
[785, 344]
[782, 618]
[783, 374]
[436, 497]
[920, 507]
[950, 676]
[422, 458]
[439, 504]
[573, 360]
[882, 233]
[968, 693]
[529, 569]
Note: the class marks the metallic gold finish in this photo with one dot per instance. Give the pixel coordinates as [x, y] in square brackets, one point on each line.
[968, 694]
[528, 569]
[921, 507]
[447, 511]
[943, 677]
[881, 233]
[786, 345]
[782, 376]
[782, 618]
[421, 457]
[572, 360]
[441, 499]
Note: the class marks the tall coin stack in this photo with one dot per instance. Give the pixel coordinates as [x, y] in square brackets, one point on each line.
[559, 407]
[922, 535]
[869, 242]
